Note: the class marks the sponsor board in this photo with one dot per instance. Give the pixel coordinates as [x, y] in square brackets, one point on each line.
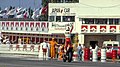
[61, 27]
[21, 26]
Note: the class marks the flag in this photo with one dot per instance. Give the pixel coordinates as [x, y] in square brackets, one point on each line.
[19, 16]
[11, 12]
[40, 11]
[35, 14]
[20, 13]
[3, 14]
[18, 9]
[44, 10]
[3, 11]
[26, 14]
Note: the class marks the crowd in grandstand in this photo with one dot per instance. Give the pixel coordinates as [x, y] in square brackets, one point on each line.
[19, 12]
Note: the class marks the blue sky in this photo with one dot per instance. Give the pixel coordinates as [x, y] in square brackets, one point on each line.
[21, 3]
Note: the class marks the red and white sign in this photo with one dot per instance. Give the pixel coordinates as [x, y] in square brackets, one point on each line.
[32, 24]
[26, 24]
[43, 25]
[29, 24]
[21, 24]
[16, 24]
[84, 28]
[102, 28]
[93, 28]
[112, 28]
[7, 24]
[62, 27]
[3, 24]
[12, 24]
[37, 24]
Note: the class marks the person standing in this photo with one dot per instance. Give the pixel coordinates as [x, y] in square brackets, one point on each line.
[53, 44]
[96, 47]
[79, 52]
[44, 45]
[48, 49]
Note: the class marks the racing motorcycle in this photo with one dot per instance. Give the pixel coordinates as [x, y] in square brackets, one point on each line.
[67, 56]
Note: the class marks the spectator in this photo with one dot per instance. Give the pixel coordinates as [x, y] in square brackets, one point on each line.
[48, 49]
[44, 45]
[79, 52]
[96, 47]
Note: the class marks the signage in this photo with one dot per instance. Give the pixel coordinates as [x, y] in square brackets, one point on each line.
[62, 26]
[60, 10]
[93, 28]
[21, 24]
[7, 24]
[3, 24]
[37, 24]
[25, 26]
[12, 24]
[84, 28]
[112, 28]
[102, 28]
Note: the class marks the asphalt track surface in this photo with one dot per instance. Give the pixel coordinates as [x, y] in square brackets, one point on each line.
[34, 62]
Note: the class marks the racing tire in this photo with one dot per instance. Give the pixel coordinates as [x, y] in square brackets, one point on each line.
[64, 58]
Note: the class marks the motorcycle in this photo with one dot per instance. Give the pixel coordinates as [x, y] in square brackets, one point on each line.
[68, 55]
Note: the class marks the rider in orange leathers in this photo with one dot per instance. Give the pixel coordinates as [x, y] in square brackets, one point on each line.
[53, 44]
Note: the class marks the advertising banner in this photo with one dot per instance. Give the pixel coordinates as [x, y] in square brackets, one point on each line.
[32, 25]
[3, 25]
[17, 26]
[21, 24]
[84, 28]
[12, 25]
[102, 28]
[61, 27]
[112, 28]
[93, 28]
[37, 24]
[7, 24]
[25, 26]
